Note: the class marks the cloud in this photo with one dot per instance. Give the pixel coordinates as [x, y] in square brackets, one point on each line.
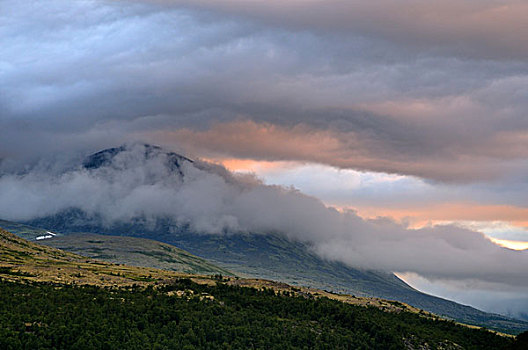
[483, 28]
[212, 200]
[399, 87]
[493, 297]
[376, 194]
[367, 147]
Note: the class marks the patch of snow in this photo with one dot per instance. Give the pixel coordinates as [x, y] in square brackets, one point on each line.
[44, 237]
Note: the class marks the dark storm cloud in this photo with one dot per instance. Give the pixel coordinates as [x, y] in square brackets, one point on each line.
[75, 74]
[488, 28]
[81, 73]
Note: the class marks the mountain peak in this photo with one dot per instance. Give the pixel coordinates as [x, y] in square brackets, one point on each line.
[132, 153]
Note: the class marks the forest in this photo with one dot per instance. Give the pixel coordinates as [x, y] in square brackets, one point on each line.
[186, 315]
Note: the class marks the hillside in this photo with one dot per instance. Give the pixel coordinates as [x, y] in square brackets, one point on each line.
[118, 249]
[21, 260]
[27, 232]
[135, 252]
[69, 309]
[28, 261]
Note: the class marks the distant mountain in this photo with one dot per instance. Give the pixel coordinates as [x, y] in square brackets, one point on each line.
[271, 256]
[104, 158]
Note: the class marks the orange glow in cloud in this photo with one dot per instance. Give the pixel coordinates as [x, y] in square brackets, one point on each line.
[250, 165]
[433, 213]
[246, 139]
[344, 149]
[515, 245]
[473, 217]
[265, 141]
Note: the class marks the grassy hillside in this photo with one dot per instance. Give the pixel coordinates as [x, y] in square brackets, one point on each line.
[24, 261]
[25, 231]
[135, 252]
[21, 260]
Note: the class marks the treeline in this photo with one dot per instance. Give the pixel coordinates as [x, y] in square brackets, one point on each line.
[185, 315]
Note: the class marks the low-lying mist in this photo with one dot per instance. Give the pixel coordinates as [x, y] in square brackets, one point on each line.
[141, 183]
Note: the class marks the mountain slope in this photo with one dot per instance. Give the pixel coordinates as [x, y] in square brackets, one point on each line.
[275, 257]
[28, 261]
[27, 232]
[134, 252]
[21, 260]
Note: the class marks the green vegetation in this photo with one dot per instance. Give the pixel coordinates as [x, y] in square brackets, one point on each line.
[186, 315]
[520, 343]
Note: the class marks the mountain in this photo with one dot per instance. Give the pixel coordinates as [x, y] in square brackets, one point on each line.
[105, 157]
[270, 255]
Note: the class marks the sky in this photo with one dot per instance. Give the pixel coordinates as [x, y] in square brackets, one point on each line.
[408, 110]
